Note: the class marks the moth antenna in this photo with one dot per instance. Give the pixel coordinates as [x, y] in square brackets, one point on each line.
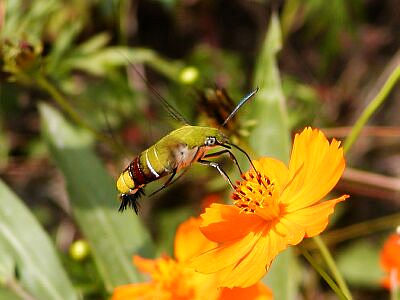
[242, 101]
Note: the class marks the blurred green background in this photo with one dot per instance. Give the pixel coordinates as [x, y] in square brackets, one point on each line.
[73, 112]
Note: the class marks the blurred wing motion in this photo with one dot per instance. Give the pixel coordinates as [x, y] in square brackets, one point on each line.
[168, 107]
[216, 105]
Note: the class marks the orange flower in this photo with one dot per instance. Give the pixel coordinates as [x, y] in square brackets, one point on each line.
[390, 261]
[173, 280]
[210, 199]
[276, 208]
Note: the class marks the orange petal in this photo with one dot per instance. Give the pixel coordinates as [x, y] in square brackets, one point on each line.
[252, 267]
[390, 254]
[223, 223]
[145, 265]
[226, 255]
[315, 167]
[273, 169]
[244, 262]
[210, 199]
[258, 291]
[292, 232]
[313, 220]
[385, 282]
[143, 291]
[189, 241]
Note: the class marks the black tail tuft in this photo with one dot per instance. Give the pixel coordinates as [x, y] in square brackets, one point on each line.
[130, 200]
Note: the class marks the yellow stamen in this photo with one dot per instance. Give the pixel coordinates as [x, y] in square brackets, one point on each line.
[257, 194]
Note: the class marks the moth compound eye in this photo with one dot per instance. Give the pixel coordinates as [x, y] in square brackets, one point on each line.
[210, 141]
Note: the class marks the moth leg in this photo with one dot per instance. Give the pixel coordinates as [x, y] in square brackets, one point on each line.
[167, 183]
[231, 156]
[180, 176]
[220, 170]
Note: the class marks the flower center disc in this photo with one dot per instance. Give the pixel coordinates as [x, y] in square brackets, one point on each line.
[257, 194]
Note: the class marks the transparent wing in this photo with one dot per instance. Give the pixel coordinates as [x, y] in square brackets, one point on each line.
[168, 107]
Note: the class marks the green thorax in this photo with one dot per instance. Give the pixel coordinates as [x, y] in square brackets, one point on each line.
[193, 136]
[162, 155]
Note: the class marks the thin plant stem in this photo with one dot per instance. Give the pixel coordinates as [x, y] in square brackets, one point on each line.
[330, 262]
[394, 294]
[371, 108]
[354, 134]
[68, 109]
[394, 288]
[322, 273]
[358, 230]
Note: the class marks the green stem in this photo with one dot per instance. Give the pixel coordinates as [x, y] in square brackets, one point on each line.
[394, 289]
[332, 266]
[322, 273]
[65, 105]
[358, 230]
[371, 108]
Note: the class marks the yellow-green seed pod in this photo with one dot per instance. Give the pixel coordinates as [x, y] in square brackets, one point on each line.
[189, 75]
[79, 250]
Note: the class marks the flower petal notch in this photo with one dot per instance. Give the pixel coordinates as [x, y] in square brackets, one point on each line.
[273, 208]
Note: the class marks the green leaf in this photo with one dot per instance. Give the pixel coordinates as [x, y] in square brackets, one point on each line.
[271, 137]
[100, 62]
[7, 294]
[41, 273]
[359, 264]
[7, 265]
[114, 237]
[62, 44]
[27, 20]
[271, 134]
[93, 44]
